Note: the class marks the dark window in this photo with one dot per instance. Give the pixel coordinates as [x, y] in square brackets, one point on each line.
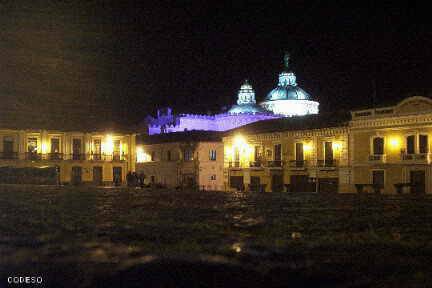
[410, 144]
[55, 145]
[299, 152]
[213, 177]
[8, 145]
[257, 153]
[212, 155]
[423, 144]
[187, 155]
[378, 178]
[76, 149]
[97, 149]
[169, 155]
[116, 150]
[278, 152]
[153, 156]
[328, 151]
[378, 146]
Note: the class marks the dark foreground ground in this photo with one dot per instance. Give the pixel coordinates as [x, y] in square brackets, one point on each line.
[87, 237]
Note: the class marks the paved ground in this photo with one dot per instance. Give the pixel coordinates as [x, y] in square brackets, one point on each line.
[118, 237]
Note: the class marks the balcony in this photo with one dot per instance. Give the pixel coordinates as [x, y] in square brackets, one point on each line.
[377, 158]
[327, 164]
[53, 156]
[274, 164]
[234, 164]
[420, 158]
[255, 164]
[8, 155]
[298, 164]
[108, 157]
[77, 156]
[33, 156]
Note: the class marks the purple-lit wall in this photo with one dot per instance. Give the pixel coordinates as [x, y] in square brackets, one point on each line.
[218, 122]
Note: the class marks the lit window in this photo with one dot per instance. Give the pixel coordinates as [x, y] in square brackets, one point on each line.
[32, 145]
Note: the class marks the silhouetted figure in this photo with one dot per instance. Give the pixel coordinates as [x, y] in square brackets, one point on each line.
[141, 180]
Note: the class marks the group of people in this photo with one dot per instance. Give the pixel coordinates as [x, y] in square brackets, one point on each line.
[134, 179]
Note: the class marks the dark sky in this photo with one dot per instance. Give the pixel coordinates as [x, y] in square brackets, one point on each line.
[121, 60]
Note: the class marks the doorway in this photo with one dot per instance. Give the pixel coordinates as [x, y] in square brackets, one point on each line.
[97, 175]
[418, 182]
[117, 175]
[328, 185]
[76, 175]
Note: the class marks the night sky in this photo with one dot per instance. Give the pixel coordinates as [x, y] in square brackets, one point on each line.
[89, 62]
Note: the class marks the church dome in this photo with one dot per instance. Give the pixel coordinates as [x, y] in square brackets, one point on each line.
[287, 88]
[288, 93]
[287, 98]
[246, 102]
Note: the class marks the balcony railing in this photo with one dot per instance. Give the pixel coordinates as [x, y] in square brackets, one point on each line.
[377, 157]
[327, 163]
[298, 163]
[53, 156]
[8, 155]
[255, 164]
[422, 157]
[234, 164]
[33, 156]
[77, 156]
[274, 163]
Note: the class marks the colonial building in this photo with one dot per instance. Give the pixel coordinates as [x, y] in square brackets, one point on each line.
[286, 100]
[185, 159]
[70, 157]
[304, 154]
[390, 145]
[383, 150]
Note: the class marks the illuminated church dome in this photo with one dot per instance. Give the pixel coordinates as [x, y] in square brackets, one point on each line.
[246, 103]
[287, 98]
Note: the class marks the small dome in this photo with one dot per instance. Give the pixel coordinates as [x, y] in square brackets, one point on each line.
[246, 102]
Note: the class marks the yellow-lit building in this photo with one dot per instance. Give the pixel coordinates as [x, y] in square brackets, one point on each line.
[390, 145]
[99, 158]
[384, 150]
[291, 158]
[183, 159]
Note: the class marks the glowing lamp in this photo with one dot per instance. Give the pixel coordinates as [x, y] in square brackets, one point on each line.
[109, 144]
[140, 155]
[336, 146]
[307, 147]
[44, 147]
[239, 141]
[394, 143]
